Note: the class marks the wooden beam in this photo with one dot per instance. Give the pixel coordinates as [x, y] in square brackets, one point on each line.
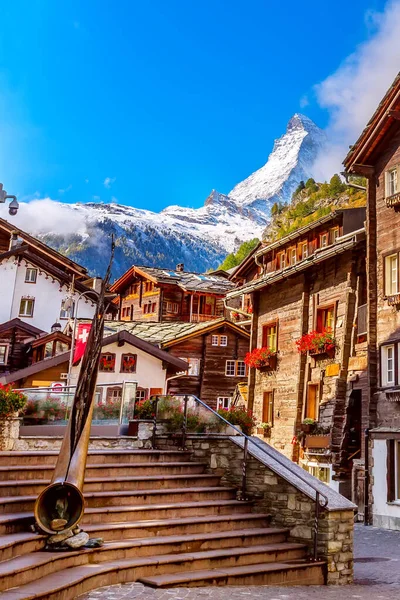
[395, 114]
[366, 170]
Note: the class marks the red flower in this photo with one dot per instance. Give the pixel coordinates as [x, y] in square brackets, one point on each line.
[259, 357]
[316, 341]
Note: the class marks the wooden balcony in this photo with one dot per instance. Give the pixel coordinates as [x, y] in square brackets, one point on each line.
[201, 318]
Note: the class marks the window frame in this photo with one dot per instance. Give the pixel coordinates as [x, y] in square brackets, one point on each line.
[389, 192]
[31, 270]
[124, 355]
[213, 339]
[326, 307]
[292, 256]
[303, 255]
[26, 299]
[324, 235]
[194, 365]
[317, 387]
[219, 398]
[7, 349]
[236, 364]
[385, 258]
[265, 329]
[113, 359]
[383, 363]
[332, 232]
[221, 339]
[281, 257]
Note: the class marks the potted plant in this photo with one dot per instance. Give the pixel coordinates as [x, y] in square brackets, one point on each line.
[11, 403]
[308, 425]
[261, 358]
[265, 429]
[317, 343]
[239, 416]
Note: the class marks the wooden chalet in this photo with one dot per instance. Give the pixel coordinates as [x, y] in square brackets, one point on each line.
[15, 339]
[215, 351]
[159, 295]
[376, 156]
[312, 280]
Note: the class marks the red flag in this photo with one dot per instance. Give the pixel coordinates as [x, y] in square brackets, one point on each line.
[81, 341]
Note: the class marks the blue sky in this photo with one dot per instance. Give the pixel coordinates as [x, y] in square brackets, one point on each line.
[156, 103]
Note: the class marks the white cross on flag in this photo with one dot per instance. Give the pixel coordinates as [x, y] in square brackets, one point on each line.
[81, 341]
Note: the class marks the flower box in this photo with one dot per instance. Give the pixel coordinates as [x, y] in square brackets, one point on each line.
[317, 441]
[323, 352]
[317, 343]
[261, 358]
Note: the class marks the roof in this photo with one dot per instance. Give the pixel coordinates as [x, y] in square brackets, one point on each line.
[21, 325]
[41, 365]
[190, 282]
[248, 261]
[41, 247]
[342, 244]
[384, 118]
[168, 333]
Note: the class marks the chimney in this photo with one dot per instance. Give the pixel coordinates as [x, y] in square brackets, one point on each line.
[180, 267]
[14, 241]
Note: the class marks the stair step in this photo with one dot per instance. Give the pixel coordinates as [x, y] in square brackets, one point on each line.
[16, 544]
[122, 498]
[184, 525]
[41, 472]
[114, 484]
[279, 573]
[25, 569]
[49, 457]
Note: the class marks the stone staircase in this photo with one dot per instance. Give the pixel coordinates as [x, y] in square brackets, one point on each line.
[166, 522]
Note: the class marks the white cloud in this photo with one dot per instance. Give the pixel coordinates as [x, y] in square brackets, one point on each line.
[67, 189]
[304, 101]
[353, 92]
[46, 216]
[109, 181]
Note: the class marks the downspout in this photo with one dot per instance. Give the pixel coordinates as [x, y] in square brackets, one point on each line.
[352, 185]
[168, 379]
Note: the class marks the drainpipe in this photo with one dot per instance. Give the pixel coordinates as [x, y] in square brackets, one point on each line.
[170, 378]
[238, 310]
[353, 185]
[366, 478]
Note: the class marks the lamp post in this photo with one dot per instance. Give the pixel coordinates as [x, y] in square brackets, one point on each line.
[13, 208]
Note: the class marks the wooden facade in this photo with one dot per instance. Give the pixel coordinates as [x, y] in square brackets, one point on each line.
[15, 336]
[376, 156]
[157, 295]
[313, 279]
[216, 363]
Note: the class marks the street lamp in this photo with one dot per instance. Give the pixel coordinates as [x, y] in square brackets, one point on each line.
[13, 208]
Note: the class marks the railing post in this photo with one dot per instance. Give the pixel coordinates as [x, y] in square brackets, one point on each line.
[244, 469]
[184, 424]
[316, 525]
[153, 437]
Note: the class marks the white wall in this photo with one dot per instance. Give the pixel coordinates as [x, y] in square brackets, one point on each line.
[149, 371]
[47, 291]
[384, 514]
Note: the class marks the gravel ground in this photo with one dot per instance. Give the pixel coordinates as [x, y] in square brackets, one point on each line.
[376, 577]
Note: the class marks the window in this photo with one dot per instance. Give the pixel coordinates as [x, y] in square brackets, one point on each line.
[149, 285]
[149, 308]
[107, 363]
[391, 274]
[325, 318]
[268, 407]
[224, 402]
[30, 275]
[141, 394]
[270, 336]
[388, 365]
[172, 307]
[114, 394]
[3, 354]
[323, 240]
[219, 340]
[391, 182]
[311, 407]
[292, 256]
[334, 234]
[194, 366]
[26, 307]
[235, 368]
[281, 260]
[128, 363]
[303, 250]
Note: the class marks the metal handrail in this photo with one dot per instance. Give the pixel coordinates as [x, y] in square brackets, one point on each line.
[247, 439]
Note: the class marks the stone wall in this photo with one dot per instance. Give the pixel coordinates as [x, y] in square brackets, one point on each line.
[287, 506]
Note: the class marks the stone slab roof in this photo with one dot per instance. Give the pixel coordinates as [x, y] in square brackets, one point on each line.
[294, 474]
[158, 333]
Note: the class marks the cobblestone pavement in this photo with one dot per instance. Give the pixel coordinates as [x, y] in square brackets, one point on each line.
[376, 570]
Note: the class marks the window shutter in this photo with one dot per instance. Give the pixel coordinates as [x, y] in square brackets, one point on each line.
[264, 336]
[277, 335]
[390, 471]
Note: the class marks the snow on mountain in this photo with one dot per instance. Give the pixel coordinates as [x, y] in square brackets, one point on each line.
[200, 237]
[289, 162]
